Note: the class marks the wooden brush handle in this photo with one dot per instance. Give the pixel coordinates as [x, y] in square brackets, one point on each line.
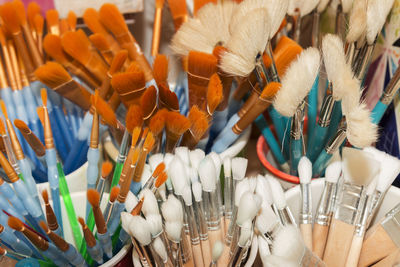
[338, 244]
[197, 255]
[225, 257]
[319, 236]
[206, 251]
[156, 32]
[392, 260]
[354, 253]
[215, 236]
[306, 232]
[23, 52]
[32, 46]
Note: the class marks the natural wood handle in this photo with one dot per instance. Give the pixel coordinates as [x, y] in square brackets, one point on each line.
[224, 259]
[306, 232]
[223, 230]
[197, 255]
[354, 253]
[206, 251]
[214, 236]
[319, 236]
[392, 260]
[338, 244]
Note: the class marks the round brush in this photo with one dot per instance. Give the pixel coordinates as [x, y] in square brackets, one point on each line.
[93, 247]
[305, 173]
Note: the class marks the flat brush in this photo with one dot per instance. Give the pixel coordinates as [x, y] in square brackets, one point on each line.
[38, 24]
[156, 126]
[148, 103]
[116, 64]
[100, 42]
[50, 216]
[53, 22]
[93, 247]
[32, 10]
[179, 12]
[136, 185]
[68, 250]
[199, 125]
[176, 126]
[167, 99]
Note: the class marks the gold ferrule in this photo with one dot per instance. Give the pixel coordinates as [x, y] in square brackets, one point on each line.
[48, 134]
[8, 169]
[19, 154]
[9, 68]
[94, 134]
[14, 64]
[74, 92]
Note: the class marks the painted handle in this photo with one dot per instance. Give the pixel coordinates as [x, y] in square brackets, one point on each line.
[279, 122]
[73, 155]
[29, 181]
[115, 217]
[9, 193]
[224, 140]
[62, 123]
[74, 257]
[355, 250]
[20, 247]
[320, 163]
[378, 112]
[117, 174]
[93, 169]
[335, 120]
[319, 235]
[317, 142]
[219, 121]
[57, 135]
[312, 107]
[105, 242]
[20, 106]
[30, 204]
[296, 152]
[96, 253]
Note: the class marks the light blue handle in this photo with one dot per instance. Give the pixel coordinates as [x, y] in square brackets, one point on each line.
[115, 216]
[135, 187]
[29, 181]
[92, 172]
[62, 123]
[57, 135]
[336, 118]
[123, 237]
[96, 253]
[105, 242]
[226, 137]
[312, 107]
[317, 142]
[321, 162]
[52, 174]
[30, 107]
[296, 152]
[6, 95]
[25, 240]
[30, 204]
[8, 192]
[378, 111]
[74, 257]
[270, 138]
[36, 87]
[55, 255]
[14, 242]
[20, 106]
[220, 118]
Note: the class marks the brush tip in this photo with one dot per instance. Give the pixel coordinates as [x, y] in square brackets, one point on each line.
[93, 197]
[114, 193]
[305, 170]
[159, 169]
[217, 250]
[162, 178]
[81, 222]
[15, 223]
[106, 168]
[45, 196]
[44, 226]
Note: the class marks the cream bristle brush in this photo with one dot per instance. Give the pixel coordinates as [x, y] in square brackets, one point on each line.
[218, 164]
[359, 168]
[361, 226]
[239, 167]
[263, 250]
[160, 249]
[183, 153]
[357, 27]
[280, 206]
[325, 206]
[216, 253]
[252, 254]
[196, 156]
[158, 234]
[267, 223]
[289, 245]
[306, 220]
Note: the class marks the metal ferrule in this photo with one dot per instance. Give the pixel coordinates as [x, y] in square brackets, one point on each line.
[296, 130]
[260, 70]
[376, 201]
[272, 72]
[361, 226]
[348, 203]
[285, 215]
[350, 52]
[194, 233]
[228, 193]
[164, 239]
[315, 29]
[210, 204]
[219, 199]
[325, 205]
[391, 224]
[231, 229]
[238, 252]
[185, 248]
[391, 89]
[325, 114]
[366, 57]
[309, 259]
[337, 140]
[306, 211]
[10, 154]
[149, 183]
[123, 149]
[270, 235]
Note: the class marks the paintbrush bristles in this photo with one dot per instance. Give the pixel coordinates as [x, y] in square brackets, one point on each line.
[134, 117]
[199, 122]
[15, 223]
[118, 61]
[76, 46]
[114, 193]
[10, 18]
[157, 122]
[32, 10]
[2, 127]
[71, 18]
[106, 169]
[214, 93]
[160, 68]
[112, 18]
[357, 21]
[377, 12]
[177, 123]
[359, 167]
[52, 74]
[148, 102]
[20, 11]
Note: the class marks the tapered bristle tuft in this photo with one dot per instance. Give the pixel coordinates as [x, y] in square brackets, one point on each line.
[214, 93]
[136, 210]
[161, 179]
[199, 122]
[114, 193]
[44, 226]
[160, 68]
[168, 97]
[71, 18]
[43, 94]
[52, 46]
[270, 90]
[10, 18]
[93, 197]
[2, 127]
[52, 18]
[134, 117]
[45, 196]
[76, 46]
[112, 18]
[148, 101]
[157, 122]
[20, 11]
[99, 41]
[160, 168]
[126, 82]
[105, 111]
[92, 21]
[202, 64]
[135, 135]
[38, 23]
[4, 109]
[361, 131]
[357, 21]
[135, 156]
[106, 169]
[40, 112]
[118, 61]
[81, 222]
[52, 74]
[149, 142]
[32, 10]
[177, 123]
[15, 223]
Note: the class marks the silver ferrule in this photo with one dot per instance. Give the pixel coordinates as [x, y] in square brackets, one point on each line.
[391, 224]
[193, 232]
[238, 251]
[315, 29]
[260, 71]
[201, 221]
[310, 259]
[296, 129]
[297, 28]
[325, 114]
[10, 154]
[270, 235]
[219, 199]
[337, 140]
[149, 183]
[348, 203]
[391, 89]
[211, 209]
[365, 60]
[234, 239]
[185, 219]
[376, 201]
[350, 52]
[228, 193]
[285, 215]
[100, 186]
[306, 209]
[325, 205]
[123, 149]
[231, 229]
[272, 72]
[139, 250]
[361, 226]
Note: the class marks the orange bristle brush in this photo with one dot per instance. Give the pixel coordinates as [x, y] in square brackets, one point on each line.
[156, 126]
[106, 169]
[134, 118]
[31, 138]
[179, 12]
[90, 241]
[52, 21]
[200, 68]
[32, 46]
[161, 179]
[78, 46]
[101, 43]
[112, 18]
[160, 69]
[147, 147]
[214, 94]
[32, 10]
[106, 112]
[57, 78]
[285, 52]
[38, 24]
[130, 86]
[52, 46]
[155, 44]
[226, 79]
[50, 215]
[167, 99]
[11, 23]
[92, 21]
[64, 27]
[7, 59]
[127, 174]
[156, 173]
[176, 126]
[113, 196]
[71, 19]
[148, 103]
[199, 125]
[138, 208]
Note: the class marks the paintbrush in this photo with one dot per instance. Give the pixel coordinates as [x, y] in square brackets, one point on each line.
[93, 247]
[113, 196]
[305, 173]
[48, 249]
[160, 69]
[69, 251]
[147, 147]
[32, 10]
[14, 242]
[156, 126]
[179, 12]
[167, 99]
[148, 103]
[176, 126]
[71, 19]
[106, 169]
[356, 28]
[38, 23]
[113, 20]
[52, 21]
[280, 207]
[199, 122]
[8, 147]
[157, 27]
[326, 207]
[358, 170]
[157, 171]
[50, 216]
[100, 42]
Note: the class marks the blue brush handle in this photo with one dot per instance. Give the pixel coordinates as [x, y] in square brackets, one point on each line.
[270, 138]
[96, 253]
[74, 257]
[378, 112]
[312, 107]
[62, 123]
[8, 192]
[10, 209]
[105, 242]
[92, 172]
[58, 140]
[52, 174]
[26, 171]
[336, 118]
[115, 216]
[30, 107]
[135, 187]
[39, 175]
[123, 237]
[226, 136]
[19, 246]
[317, 142]
[220, 119]
[81, 157]
[30, 204]
[56, 255]
[279, 122]
[36, 87]
[296, 152]
[321, 162]
[25, 240]
[6, 95]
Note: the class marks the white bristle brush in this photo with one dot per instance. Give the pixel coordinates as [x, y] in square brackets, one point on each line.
[183, 153]
[239, 167]
[228, 192]
[196, 156]
[139, 229]
[357, 21]
[249, 206]
[306, 220]
[322, 5]
[280, 206]
[216, 253]
[177, 173]
[377, 12]
[160, 249]
[264, 190]
[150, 205]
[267, 223]
[130, 202]
[346, 5]
[126, 221]
[168, 157]
[242, 245]
[155, 159]
[307, 7]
